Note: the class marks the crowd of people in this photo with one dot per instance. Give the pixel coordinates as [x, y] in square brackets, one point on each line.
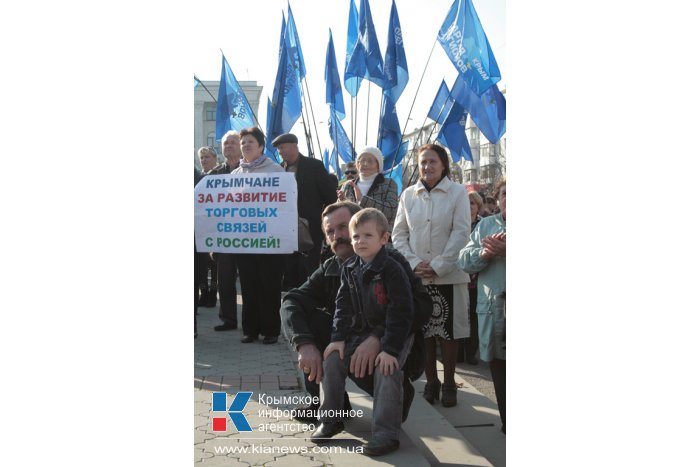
[403, 276]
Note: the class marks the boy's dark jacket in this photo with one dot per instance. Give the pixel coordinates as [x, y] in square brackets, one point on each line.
[319, 292]
[377, 301]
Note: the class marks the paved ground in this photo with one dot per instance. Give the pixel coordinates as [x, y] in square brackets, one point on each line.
[433, 435]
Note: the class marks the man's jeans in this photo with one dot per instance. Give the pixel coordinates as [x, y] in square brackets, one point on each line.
[388, 390]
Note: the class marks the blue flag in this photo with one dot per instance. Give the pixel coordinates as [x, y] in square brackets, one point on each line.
[325, 160]
[286, 97]
[294, 45]
[352, 84]
[341, 142]
[395, 67]
[334, 92]
[335, 164]
[466, 45]
[441, 104]
[270, 150]
[389, 134]
[366, 59]
[196, 82]
[396, 173]
[453, 133]
[488, 110]
[233, 111]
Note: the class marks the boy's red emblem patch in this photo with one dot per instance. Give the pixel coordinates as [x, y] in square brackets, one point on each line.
[380, 294]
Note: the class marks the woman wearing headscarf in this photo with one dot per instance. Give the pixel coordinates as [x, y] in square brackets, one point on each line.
[372, 189]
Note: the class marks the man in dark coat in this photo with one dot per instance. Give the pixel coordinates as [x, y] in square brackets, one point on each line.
[225, 262]
[315, 190]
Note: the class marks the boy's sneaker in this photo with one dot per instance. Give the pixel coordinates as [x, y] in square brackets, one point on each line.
[379, 447]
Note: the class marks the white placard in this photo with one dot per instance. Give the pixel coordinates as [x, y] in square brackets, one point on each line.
[246, 213]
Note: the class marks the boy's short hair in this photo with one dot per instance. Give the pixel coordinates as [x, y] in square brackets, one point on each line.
[370, 215]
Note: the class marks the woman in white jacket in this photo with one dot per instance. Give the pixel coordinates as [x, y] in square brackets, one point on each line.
[432, 226]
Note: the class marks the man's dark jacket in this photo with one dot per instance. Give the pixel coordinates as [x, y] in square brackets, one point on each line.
[315, 190]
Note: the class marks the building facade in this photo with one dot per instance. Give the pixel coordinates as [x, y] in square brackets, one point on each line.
[205, 113]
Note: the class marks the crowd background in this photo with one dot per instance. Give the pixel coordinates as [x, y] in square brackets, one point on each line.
[453, 240]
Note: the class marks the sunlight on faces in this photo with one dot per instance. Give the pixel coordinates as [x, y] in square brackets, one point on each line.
[367, 164]
[367, 239]
[335, 227]
[232, 148]
[430, 167]
[208, 160]
[289, 152]
[250, 148]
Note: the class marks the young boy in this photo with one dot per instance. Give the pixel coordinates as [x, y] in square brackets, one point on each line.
[374, 298]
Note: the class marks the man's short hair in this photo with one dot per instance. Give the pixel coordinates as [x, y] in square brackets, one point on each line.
[226, 135]
[206, 150]
[354, 208]
[370, 215]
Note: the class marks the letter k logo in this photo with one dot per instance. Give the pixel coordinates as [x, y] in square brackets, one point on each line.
[235, 411]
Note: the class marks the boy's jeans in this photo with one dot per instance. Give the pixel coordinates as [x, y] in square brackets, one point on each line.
[388, 390]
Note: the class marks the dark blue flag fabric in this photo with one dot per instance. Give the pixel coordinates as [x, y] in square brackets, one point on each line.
[325, 159]
[335, 164]
[334, 91]
[352, 84]
[341, 142]
[466, 45]
[233, 111]
[286, 97]
[294, 44]
[366, 59]
[396, 172]
[488, 110]
[441, 104]
[395, 66]
[270, 150]
[389, 134]
[453, 133]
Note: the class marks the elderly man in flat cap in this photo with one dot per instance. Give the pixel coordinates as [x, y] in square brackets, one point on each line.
[316, 189]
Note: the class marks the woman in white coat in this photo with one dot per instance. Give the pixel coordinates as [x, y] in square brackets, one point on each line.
[432, 226]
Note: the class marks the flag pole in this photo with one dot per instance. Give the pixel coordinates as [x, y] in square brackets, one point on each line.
[412, 104]
[307, 133]
[380, 129]
[313, 118]
[206, 89]
[369, 87]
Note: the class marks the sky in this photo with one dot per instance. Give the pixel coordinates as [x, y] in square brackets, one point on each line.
[250, 43]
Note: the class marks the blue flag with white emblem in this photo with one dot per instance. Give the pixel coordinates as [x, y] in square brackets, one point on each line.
[467, 46]
[352, 84]
[270, 150]
[233, 111]
[294, 45]
[334, 92]
[395, 66]
[286, 97]
[488, 110]
[366, 59]
[441, 104]
[453, 133]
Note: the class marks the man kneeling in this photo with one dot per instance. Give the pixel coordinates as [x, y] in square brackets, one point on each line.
[375, 298]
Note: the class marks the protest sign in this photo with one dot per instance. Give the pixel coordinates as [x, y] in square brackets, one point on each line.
[246, 213]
